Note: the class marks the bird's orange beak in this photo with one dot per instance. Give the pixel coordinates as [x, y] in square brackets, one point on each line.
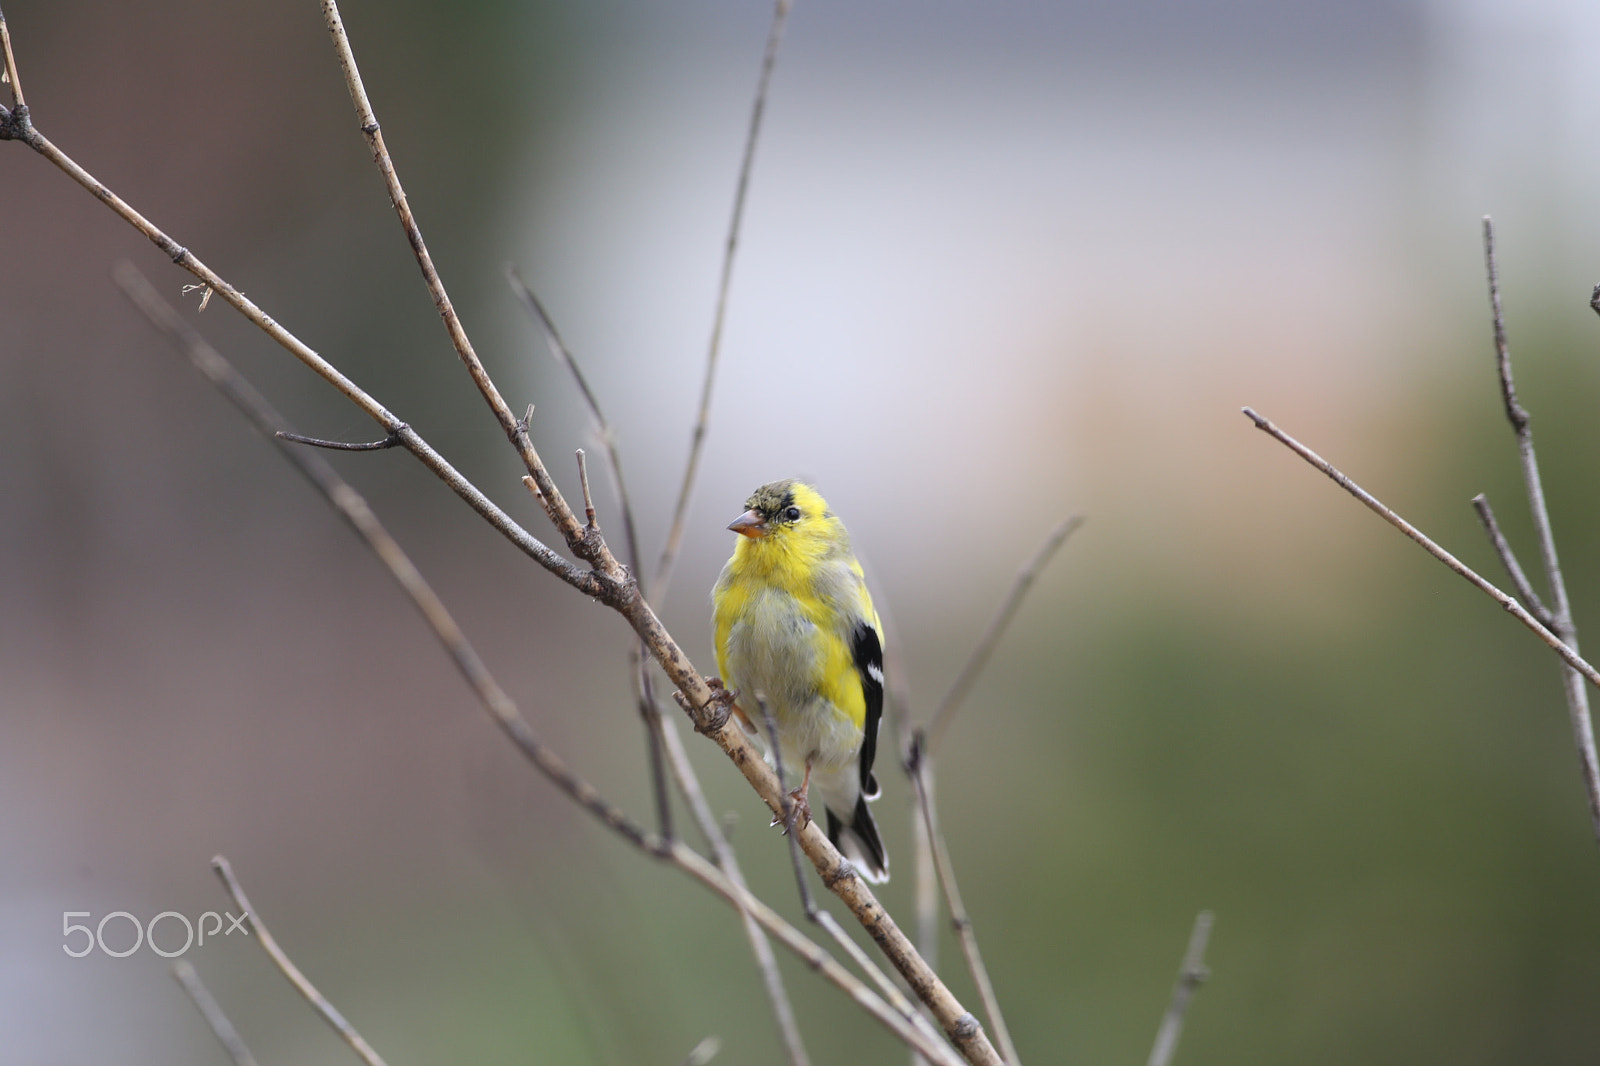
[750, 524]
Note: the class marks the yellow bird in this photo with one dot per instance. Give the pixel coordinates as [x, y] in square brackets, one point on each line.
[794, 627]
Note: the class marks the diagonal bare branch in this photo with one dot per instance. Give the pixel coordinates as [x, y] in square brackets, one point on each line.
[1591, 772]
[302, 984]
[1190, 976]
[212, 1012]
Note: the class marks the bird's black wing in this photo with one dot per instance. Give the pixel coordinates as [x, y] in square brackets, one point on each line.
[867, 651]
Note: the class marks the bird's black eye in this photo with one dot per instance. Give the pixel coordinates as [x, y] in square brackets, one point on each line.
[792, 514]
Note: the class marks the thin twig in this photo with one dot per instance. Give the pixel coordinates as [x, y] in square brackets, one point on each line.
[212, 1012]
[584, 580]
[354, 509]
[1190, 975]
[1560, 613]
[1508, 559]
[677, 759]
[960, 920]
[791, 807]
[997, 626]
[302, 984]
[391, 441]
[11, 67]
[680, 511]
[1514, 608]
[603, 430]
[696, 866]
[648, 711]
[560, 515]
[703, 1052]
[808, 904]
[588, 500]
[925, 895]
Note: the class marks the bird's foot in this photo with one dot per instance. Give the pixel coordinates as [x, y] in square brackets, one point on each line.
[719, 707]
[799, 812]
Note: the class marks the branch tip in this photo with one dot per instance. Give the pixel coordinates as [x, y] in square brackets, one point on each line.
[391, 441]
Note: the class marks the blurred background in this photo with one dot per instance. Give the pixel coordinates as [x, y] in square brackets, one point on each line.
[1001, 263]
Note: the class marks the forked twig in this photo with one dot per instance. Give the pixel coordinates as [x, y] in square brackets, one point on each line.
[286, 966]
[680, 510]
[212, 1012]
[1559, 616]
[1508, 559]
[1584, 735]
[1190, 976]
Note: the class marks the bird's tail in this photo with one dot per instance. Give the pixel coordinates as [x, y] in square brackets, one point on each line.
[859, 842]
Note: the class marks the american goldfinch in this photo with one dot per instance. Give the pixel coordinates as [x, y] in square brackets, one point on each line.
[795, 628]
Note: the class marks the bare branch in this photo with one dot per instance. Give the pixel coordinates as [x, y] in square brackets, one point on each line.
[707, 874]
[11, 67]
[411, 440]
[212, 1012]
[1585, 735]
[677, 760]
[1508, 391]
[680, 511]
[1190, 976]
[353, 508]
[792, 811]
[960, 921]
[703, 1052]
[1560, 613]
[1508, 559]
[997, 627]
[302, 984]
[588, 500]
[591, 549]
[390, 441]
[608, 437]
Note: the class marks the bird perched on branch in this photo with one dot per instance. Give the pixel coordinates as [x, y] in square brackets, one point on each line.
[795, 630]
